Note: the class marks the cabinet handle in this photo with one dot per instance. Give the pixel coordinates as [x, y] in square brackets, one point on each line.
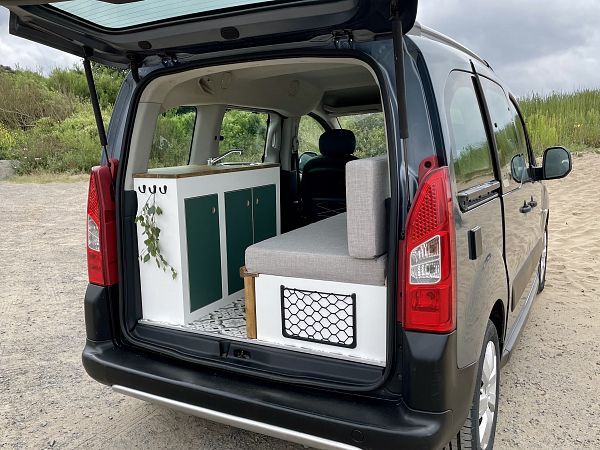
[257, 200]
[213, 210]
[247, 202]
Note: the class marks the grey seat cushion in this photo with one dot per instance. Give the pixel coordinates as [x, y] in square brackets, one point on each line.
[318, 251]
[367, 187]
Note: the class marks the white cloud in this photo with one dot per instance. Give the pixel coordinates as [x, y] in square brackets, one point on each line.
[535, 45]
[15, 51]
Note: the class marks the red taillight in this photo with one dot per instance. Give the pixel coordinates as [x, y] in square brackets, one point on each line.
[428, 298]
[101, 229]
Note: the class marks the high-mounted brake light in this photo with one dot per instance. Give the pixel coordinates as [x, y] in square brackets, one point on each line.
[428, 300]
[101, 228]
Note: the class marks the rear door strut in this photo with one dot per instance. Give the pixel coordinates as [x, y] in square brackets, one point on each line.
[87, 66]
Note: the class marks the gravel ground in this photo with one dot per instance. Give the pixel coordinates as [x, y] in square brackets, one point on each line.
[549, 388]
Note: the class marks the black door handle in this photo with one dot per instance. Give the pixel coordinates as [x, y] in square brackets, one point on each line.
[525, 208]
[533, 203]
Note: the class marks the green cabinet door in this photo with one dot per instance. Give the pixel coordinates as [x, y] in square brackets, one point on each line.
[265, 212]
[203, 250]
[238, 214]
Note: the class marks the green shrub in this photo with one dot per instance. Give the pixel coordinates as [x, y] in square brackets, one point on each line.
[8, 141]
[69, 146]
[25, 98]
[72, 82]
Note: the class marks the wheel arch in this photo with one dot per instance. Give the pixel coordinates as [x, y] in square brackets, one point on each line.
[498, 318]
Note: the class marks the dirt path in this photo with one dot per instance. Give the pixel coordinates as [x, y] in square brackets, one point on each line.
[549, 389]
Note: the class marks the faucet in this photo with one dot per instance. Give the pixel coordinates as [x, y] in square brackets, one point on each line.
[213, 161]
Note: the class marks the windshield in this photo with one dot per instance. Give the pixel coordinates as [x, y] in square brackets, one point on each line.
[115, 16]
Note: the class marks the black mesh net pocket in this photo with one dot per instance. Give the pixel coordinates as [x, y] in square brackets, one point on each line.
[322, 317]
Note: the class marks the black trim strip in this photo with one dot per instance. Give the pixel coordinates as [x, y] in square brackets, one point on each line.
[477, 195]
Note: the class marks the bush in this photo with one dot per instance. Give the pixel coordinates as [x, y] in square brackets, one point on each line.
[25, 98]
[8, 142]
[69, 146]
[72, 83]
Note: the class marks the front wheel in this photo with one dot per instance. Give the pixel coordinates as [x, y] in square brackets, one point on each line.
[479, 429]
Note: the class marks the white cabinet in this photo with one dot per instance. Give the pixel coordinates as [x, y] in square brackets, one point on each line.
[194, 236]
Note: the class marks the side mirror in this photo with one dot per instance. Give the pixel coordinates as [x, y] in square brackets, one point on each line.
[518, 169]
[556, 164]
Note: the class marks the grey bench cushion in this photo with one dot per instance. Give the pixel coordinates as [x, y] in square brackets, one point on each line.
[318, 251]
[367, 187]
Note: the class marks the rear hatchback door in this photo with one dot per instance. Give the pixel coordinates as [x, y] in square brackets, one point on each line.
[117, 32]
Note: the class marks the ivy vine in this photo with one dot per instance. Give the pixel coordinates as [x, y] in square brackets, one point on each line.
[147, 220]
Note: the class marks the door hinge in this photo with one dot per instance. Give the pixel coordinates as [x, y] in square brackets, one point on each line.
[169, 60]
[343, 39]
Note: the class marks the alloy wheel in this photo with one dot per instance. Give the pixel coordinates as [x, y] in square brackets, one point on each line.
[487, 395]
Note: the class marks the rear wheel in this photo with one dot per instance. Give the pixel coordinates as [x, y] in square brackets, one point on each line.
[479, 429]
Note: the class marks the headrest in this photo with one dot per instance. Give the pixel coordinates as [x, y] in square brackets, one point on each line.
[337, 143]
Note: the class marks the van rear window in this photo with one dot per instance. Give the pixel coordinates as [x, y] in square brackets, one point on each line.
[471, 152]
[116, 16]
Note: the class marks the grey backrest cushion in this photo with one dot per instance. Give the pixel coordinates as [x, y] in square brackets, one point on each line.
[367, 187]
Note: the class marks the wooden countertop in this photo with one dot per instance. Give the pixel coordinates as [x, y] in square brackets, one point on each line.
[197, 170]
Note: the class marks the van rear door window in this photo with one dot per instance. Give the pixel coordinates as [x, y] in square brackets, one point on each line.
[471, 151]
[512, 151]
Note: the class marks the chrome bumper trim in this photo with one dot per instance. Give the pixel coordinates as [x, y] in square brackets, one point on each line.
[239, 422]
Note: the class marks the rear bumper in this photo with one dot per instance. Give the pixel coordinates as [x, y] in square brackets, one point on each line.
[309, 416]
[317, 418]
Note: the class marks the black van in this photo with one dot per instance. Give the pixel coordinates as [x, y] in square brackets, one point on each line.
[317, 220]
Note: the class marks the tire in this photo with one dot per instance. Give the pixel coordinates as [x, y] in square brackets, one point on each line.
[469, 435]
[543, 266]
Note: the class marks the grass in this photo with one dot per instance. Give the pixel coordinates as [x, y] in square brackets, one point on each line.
[568, 119]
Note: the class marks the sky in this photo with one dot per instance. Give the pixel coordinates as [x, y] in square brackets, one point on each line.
[534, 45]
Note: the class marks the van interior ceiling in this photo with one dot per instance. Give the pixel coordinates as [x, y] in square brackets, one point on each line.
[270, 206]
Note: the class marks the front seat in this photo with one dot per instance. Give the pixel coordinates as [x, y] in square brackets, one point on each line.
[323, 187]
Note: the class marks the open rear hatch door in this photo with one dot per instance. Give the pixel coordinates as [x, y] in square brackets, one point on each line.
[117, 32]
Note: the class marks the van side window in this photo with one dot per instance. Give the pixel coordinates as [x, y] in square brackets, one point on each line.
[369, 129]
[246, 131]
[471, 154]
[309, 132]
[512, 151]
[173, 136]
[521, 133]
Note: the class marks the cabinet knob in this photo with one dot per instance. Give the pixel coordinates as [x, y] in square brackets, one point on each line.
[257, 200]
[247, 202]
[213, 210]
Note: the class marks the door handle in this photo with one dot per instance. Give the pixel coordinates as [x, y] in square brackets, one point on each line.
[526, 207]
[533, 203]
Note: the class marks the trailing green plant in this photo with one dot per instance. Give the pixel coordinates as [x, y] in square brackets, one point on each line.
[147, 220]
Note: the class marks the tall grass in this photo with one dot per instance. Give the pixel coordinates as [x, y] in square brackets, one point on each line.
[569, 119]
